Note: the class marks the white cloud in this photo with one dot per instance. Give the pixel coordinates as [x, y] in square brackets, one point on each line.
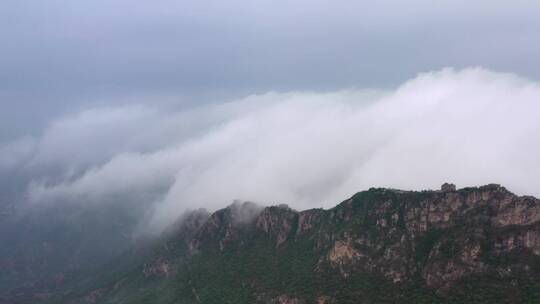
[307, 149]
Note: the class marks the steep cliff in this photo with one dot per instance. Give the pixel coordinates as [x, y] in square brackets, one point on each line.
[473, 245]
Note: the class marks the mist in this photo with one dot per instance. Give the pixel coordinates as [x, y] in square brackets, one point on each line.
[305, 149]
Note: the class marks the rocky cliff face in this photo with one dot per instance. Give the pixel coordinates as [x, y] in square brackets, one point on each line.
[440, 237]
[381, 245]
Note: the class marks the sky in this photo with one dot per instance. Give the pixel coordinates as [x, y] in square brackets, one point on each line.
[62, 56]
[174, 105]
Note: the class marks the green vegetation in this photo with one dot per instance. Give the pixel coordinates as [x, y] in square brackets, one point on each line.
[240, 263]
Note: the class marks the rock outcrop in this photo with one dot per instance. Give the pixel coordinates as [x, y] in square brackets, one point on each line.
[430, 244]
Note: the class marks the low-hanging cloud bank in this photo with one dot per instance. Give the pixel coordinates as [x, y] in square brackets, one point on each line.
[305, 149]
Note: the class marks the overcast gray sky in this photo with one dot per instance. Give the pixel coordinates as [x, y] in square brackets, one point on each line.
[59, 56]
[171, 105]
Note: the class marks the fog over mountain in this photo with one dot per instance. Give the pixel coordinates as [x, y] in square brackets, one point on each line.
[119, 117]
[307, 149]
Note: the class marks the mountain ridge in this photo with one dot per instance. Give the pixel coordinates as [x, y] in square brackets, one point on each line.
[473, 245]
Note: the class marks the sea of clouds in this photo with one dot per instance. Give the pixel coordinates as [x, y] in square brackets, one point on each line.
[305, 149]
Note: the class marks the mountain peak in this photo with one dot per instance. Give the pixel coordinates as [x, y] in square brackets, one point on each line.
[429, 245]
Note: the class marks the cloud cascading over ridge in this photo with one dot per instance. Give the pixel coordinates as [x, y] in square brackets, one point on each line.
[472, 126]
